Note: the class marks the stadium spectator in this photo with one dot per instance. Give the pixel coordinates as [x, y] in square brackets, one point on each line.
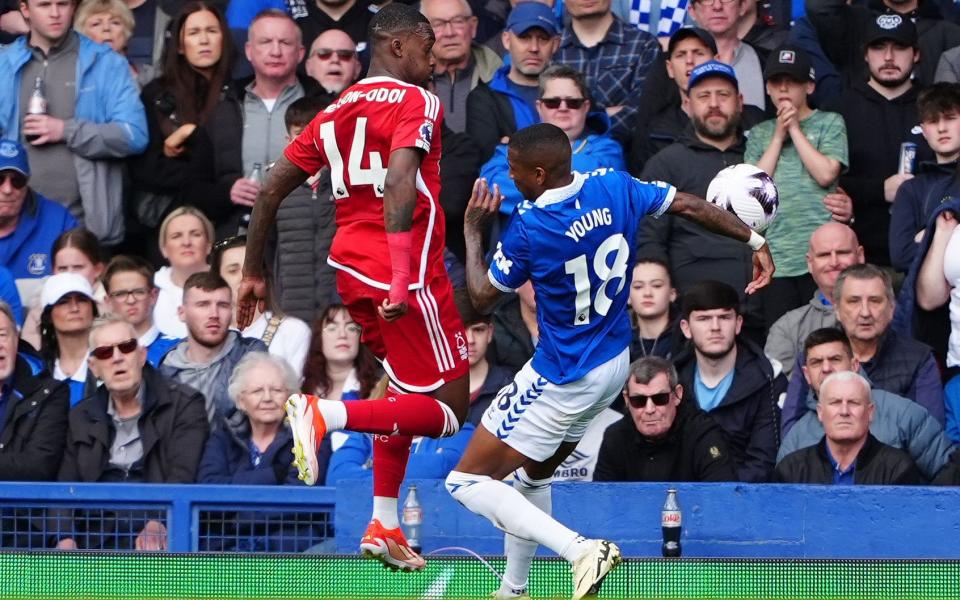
[613, 56]
[68, 313]
[316, 16]
[12, 23]
[285, 336]
[833, 247]
[33, 410]
[723, 18]
[486, 378]
[508, 102]
[715, 141]
[196, 65]
[864, 301]
[303, 282]
[564, 101]
[254, 447]
[29, 223]
[938, 285]
[132, 296]
[889, 96]
[109, 22]
[247, 127]
[731, 379]
[333, 61]
[460, 63]
[939, 109]
[186, 238]
[764, 25]
[651, 303]
[207, 355]
[139, 426]
[804, 150]
[92, 119]
[663, 437]
[847, 454]
[897, 421]
[339, 367]
[845, 29]
[74, 251]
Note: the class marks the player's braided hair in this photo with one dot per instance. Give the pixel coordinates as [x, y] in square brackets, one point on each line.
[394, 19]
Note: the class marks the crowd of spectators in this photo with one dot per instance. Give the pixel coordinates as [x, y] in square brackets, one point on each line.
[135, 136]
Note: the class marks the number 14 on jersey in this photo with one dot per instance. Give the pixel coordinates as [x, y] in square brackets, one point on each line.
[372, 175]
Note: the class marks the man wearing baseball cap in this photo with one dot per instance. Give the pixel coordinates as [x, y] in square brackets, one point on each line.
[508, 103]
[803, 150]
[881, 114]
[845, 29]
[29, 223]
[712, 141]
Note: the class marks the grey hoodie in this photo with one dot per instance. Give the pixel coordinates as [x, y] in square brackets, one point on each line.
[211, 379]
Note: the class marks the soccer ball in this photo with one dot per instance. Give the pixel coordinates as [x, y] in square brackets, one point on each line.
[748, 192]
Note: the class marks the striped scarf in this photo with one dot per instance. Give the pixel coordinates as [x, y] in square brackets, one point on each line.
[672, 15]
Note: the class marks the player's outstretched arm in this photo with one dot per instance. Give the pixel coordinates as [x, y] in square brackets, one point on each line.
[284, 177]
[711, 218]
[484, 204]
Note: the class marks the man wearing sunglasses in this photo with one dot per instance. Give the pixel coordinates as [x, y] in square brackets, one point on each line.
[139, 426]
[29, 223]
[333, 61]
[662, 438]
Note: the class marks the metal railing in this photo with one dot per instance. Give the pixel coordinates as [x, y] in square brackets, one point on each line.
[178, 518]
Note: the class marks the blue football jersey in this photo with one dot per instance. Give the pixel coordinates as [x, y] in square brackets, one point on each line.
[575, 244]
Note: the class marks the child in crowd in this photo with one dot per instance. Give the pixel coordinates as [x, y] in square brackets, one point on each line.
[804, 150]
[935, 181]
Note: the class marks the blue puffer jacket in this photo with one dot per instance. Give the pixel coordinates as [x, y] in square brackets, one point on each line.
[26, 251]
[594, 149]
[109, 123]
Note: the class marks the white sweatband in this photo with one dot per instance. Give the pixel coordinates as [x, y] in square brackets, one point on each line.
[756, 241]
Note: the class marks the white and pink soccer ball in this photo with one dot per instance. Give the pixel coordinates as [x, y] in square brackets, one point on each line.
[748, 192]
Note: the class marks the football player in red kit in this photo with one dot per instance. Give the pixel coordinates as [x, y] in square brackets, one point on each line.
[381, 141]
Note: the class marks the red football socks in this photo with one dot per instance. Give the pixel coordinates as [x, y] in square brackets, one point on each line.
[390, 455]
[404, 414]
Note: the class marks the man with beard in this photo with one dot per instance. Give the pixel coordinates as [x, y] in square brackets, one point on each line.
[731, 379]
[711, 142]
[508, 103]
[211, 350]
[881, 113]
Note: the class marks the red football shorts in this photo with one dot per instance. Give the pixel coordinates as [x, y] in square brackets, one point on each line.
[421, 350]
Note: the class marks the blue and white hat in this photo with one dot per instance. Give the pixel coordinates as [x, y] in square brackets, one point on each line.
[13, 157]
[712, 68]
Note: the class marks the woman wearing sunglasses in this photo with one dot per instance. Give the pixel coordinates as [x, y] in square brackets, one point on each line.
[565, 102]
[68, 312]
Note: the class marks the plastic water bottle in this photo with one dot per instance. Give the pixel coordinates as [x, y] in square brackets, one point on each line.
[256, 176]
[412, 519]
[670, 524]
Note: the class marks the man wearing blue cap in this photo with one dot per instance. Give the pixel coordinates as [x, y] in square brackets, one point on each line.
[508, 103]
[713, 140]
[29, 223]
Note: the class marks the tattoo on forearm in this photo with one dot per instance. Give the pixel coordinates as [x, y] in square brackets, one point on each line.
[398, 208]
[710, 218]
[284, 178]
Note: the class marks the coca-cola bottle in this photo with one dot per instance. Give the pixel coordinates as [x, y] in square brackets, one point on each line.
[670, 524]
[37, 104]
[412, 519]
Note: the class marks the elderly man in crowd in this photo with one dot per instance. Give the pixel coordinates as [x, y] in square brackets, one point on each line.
[333, 61]
[848, 454]
[139, 426]
[833, 248]
[864, 302]
[897, 421]
[663, 437]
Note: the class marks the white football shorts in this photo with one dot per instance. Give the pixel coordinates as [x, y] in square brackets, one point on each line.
[534, 416]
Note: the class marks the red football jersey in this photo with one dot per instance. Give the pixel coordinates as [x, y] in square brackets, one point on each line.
[354, 136]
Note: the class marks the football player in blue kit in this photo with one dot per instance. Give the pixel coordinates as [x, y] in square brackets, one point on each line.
[573, 239]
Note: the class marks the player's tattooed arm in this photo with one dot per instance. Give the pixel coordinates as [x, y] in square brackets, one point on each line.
[284, 178]
[711, 218]
[400, 189]
[484, 205]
